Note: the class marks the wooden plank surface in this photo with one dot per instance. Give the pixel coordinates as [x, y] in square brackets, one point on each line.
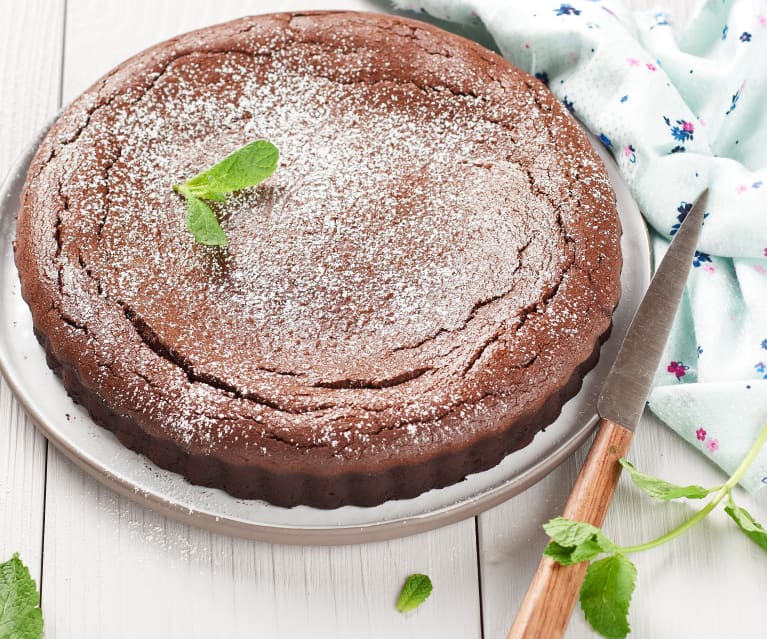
[114, 569]
[30, 68]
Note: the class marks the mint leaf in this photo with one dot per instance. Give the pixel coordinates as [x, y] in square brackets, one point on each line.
[606, 595]
[247, 166]
[202, 222]
[568, 532]
[575, 541]
[661, 489]
[752, 528]
[20, 614]
[560, 554]
[416, 590]
[569, 555]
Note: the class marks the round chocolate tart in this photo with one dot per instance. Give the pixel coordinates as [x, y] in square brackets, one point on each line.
[413, 294]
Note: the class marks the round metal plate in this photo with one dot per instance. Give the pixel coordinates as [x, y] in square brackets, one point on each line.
[68, 427]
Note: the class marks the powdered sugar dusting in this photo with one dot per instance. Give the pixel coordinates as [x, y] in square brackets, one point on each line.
[374, 214]
[405, 237]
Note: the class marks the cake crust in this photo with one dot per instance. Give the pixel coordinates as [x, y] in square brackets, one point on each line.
[413, 294]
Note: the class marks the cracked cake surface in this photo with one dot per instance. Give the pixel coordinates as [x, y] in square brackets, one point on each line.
[412, 295]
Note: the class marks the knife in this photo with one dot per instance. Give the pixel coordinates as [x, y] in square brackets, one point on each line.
[548, 604]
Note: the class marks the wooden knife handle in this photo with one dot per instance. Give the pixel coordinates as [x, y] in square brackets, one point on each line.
[548, 604]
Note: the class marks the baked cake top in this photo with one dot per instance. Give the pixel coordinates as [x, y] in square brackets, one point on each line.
[436, 254]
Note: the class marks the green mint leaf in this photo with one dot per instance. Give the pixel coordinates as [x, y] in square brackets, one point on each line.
[247, 166]
[661, 489]
[416, 590]
[585, 551]
[20, 614]
[560, 554]
[203, 224]
[568, 532]
[752, 528]
[606, 595]
[575, 541]
[569, 555]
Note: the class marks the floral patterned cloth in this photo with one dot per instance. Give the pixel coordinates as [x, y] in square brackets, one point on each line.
[679, 111]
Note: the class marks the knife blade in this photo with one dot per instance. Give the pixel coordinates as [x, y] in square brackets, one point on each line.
[628, 384]
[546, 609]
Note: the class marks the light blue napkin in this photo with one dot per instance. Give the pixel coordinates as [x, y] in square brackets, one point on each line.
[678, 114]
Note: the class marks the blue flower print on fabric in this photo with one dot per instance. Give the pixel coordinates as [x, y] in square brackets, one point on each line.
[683, 209]
[734, 100]
[700, 258]
[661, 20]
[567, 10]
[681, 130]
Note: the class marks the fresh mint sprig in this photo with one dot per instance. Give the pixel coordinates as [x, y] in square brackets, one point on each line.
[415, 591]
[663, 490]
[20, 614]
[609, 582]
[247, 166]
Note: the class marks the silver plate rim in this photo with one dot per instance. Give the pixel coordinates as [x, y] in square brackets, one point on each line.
[337, 528]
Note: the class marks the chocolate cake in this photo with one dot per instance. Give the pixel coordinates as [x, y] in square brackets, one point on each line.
[413, 294]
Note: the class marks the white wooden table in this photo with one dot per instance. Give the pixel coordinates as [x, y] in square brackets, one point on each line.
[109, 568]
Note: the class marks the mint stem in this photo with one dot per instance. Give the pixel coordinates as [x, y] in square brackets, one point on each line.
[183, 189]
[724, 491]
